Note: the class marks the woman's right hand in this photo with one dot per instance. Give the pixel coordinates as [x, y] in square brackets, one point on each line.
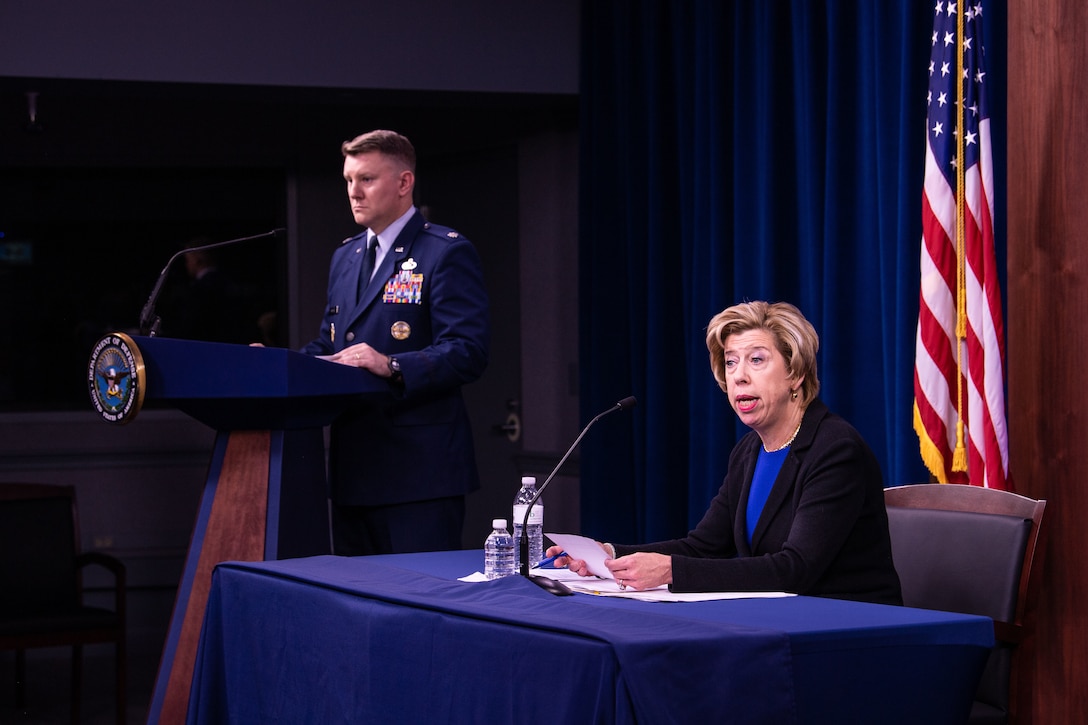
[578, 566]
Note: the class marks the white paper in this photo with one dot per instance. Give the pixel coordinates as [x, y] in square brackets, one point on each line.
[596, 586]
[603, 584]
[562, 575]
[609, 588]
[586, 549]
[476, 576]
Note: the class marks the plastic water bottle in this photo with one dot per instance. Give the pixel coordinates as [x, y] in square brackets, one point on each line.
[499, 552]
[536, 522]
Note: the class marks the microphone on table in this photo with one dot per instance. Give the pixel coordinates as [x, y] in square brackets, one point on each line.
[149, 322]
[553, 586]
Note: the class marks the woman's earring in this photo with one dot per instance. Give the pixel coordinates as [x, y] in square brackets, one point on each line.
[794, 395]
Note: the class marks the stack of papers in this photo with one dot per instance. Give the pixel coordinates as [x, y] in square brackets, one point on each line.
[602, 584]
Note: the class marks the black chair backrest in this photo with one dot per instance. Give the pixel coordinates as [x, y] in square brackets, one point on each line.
[37, 550]
[959, 561]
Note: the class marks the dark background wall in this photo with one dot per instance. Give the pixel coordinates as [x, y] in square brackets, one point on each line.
[473, 45]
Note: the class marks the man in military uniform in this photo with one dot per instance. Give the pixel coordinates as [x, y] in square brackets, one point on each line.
[406, 301]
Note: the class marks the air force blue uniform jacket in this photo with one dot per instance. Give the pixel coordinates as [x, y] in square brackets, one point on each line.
[427, 306]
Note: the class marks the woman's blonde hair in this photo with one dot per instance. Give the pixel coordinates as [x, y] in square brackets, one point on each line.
[794, 336]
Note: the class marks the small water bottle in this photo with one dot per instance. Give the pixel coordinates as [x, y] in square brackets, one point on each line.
[536, 523]
[499, 552]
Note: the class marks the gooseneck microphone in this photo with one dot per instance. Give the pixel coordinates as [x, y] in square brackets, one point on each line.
[523, 544]
[149, 322]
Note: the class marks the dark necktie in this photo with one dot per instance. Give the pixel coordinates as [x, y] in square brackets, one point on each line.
[368, 265]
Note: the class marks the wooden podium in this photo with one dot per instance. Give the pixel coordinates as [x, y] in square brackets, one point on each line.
[266, 492]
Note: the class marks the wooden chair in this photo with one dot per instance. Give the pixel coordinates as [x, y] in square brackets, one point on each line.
[974, 550]
[42, 590]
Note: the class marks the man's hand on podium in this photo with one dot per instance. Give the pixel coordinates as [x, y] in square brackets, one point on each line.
[363, 356]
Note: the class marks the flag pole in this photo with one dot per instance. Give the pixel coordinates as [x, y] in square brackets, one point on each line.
[959, 455]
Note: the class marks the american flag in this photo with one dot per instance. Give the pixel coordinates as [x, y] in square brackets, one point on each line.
[959, 369]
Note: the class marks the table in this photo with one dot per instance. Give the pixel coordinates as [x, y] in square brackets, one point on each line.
[397, 639]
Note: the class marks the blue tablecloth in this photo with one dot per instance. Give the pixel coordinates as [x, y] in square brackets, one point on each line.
[397, 639]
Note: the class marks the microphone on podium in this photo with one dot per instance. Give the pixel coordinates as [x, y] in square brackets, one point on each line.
[553, 586]
[149, 322]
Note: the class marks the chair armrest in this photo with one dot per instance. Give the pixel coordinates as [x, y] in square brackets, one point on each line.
[1008, 633]
[115, 566]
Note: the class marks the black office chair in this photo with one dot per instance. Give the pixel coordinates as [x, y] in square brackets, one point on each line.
[42, 590]
[974, 550]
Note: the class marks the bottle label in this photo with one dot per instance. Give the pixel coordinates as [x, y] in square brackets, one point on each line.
[536, 516]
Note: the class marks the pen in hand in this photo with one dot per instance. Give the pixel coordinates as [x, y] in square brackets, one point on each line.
[550, 561]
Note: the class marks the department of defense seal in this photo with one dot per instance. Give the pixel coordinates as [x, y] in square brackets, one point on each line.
[116, 378]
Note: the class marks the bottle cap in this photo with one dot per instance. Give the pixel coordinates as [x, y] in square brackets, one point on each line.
[528, 479]
[498, 523]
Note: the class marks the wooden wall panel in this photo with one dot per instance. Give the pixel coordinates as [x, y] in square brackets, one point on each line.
[1048, 326]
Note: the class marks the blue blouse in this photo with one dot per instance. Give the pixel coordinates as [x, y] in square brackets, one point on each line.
[767, 467]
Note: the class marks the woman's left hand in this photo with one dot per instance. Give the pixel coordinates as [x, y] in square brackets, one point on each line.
[641, 570]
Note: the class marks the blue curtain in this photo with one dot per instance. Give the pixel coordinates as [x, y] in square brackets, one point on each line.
[738, 150]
